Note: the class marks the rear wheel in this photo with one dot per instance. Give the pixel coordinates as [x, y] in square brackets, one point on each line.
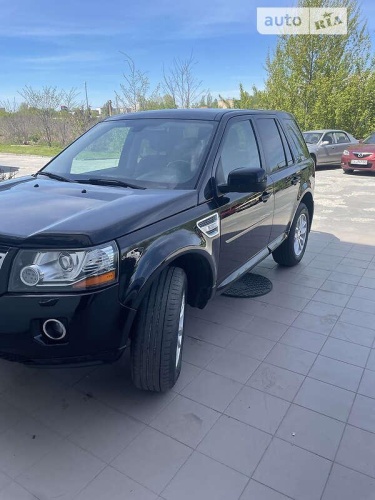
[157, 342]
[291, 251]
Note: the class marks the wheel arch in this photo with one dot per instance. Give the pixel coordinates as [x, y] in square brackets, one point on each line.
[308, 200]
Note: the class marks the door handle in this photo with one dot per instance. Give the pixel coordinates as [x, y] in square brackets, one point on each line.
[295, 180]
[265, 196]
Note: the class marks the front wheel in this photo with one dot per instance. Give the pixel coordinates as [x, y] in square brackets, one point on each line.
[291, 251]
[348, 171]
[157, 342]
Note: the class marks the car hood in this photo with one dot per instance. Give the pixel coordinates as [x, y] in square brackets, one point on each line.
[35, 212]
[369, 148]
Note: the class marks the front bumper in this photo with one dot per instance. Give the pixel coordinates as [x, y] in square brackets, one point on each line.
[348, 165]
[97, 327]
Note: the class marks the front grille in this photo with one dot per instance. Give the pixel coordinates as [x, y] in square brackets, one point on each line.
[359, 154]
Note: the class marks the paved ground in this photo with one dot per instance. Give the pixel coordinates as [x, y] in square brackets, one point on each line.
[276, 399]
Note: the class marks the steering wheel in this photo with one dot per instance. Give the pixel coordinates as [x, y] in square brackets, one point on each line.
[181, 168]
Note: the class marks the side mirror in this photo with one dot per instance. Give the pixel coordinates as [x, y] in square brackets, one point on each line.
[325, 143]
[245, 180]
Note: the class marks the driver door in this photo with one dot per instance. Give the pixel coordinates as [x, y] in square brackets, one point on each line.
[246, 218]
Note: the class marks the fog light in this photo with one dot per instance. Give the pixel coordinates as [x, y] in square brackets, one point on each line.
[30, 275]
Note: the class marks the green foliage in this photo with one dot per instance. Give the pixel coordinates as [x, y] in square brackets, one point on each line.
[324, 80]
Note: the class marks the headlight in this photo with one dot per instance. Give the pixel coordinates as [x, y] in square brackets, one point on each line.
[64, 270]
[345, 152]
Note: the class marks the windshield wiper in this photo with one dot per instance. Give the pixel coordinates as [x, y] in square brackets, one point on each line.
[109, 182]
[53, 176]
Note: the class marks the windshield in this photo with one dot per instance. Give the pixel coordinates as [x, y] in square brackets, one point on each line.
[149, 153]
[370, 139]
[312, 137]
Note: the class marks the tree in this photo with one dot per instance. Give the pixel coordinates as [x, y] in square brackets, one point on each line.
[45, 102]
[313, 75]
[134, 91]
[181, 83]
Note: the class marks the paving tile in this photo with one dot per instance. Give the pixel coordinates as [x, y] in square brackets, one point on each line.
[367, 386]
[293, 471]
[291, 358]
[336, 373]
[364, 293]
[316, 324]
[314, 272]
[106, 433]
[185, 420]
[345, 278]
[252, 345]
[360, 304]
[199, 353]
[352, 333]
[365, 256]
[312, 431]
[357, 263]
[233, 365]
[152, 459]
[367, 283]
[219, 335]
[15, 492]
[337, 287]
[324, 398]
[283, 300]
[346, 484]
[332, 298]
[303, 339]
[9, 415]
[276, 381]
[357, 450]
[222, 315]
[111, 484]
[235, 444]
[202, 478]
[257, 491]
[346, 351]
[24, 444]
[358, 318]
[263, 310]
[307, 281]
[212, 390]
[68, 410]
[293, 289]
[188, 373]
[5, 481]
[62, 473]
[371, 361]
[256, 408]
[363, 413]
[263, 327]
[323, 310]
[353, 270]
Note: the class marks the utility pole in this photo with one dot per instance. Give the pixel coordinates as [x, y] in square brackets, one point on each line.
[87, 101]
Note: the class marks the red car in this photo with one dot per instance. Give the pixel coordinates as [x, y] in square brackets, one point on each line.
[360, 156]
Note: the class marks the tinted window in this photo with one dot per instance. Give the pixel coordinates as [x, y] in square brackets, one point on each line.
[240, 150]
[297, 139]
[370, 139]
[272, 143]
[287, 149]
[329, 137]
[341, 138]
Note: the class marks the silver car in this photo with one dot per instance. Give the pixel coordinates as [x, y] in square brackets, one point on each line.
[326, 146]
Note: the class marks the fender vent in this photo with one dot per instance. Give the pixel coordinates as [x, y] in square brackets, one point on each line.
[210, 226]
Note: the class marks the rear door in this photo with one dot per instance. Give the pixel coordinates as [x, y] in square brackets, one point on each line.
[342, 142]
[328, 153]
[284, 169]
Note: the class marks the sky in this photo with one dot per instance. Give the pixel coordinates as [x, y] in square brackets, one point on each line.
[67, 43]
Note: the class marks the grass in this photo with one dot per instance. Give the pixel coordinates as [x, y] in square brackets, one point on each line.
[40, 150]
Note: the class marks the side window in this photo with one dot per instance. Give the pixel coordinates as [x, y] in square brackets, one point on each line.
[297, 141]
[287, 150]
[341, 138]
[272, 144]
[240, 150]
[329, 137]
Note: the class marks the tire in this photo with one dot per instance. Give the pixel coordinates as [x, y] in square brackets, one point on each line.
[288, 254]
[348, 171]
[155, 358]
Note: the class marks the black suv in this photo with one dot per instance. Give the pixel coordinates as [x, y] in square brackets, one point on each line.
[144, 213]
